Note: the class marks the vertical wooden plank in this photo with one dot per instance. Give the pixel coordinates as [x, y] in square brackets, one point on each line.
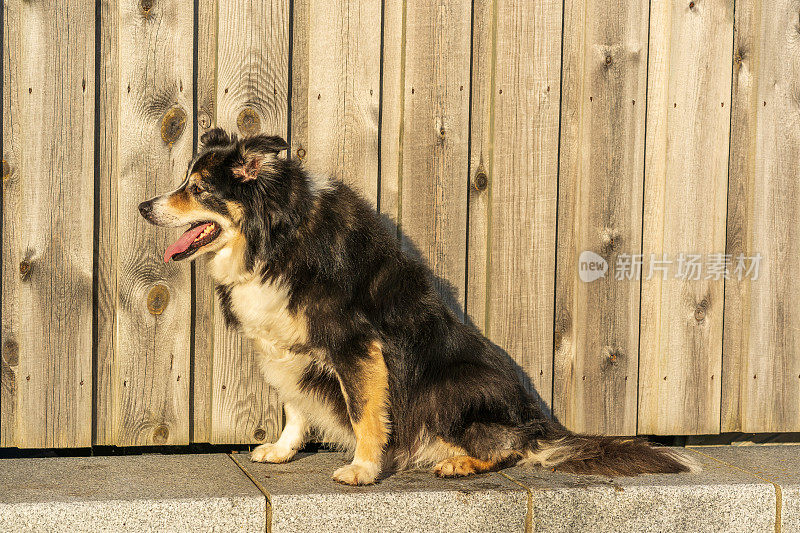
[392, 94]
[252, 90]
[428, 191]
[203, 334]
[514, 171]
[48, 229]
[9, 352]
[106, 203]
[688, 123]
[151, 367]
[337, 55]
[599, 210]
[761, 370]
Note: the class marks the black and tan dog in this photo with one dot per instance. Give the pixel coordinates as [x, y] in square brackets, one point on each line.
[351, 332]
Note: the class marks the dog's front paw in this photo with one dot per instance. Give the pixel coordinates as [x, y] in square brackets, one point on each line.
[271, 453]
[357, 474]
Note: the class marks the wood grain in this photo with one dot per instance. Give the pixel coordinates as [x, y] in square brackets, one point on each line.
[427, 184]
[392, 110]
[336, 89]
[151, 367]
[48, 118]
[688, 123]
[252, 81]
[761, 369]
[203, 336]
[106, 203]
[9, 359]
[514, 170]
[599, 210]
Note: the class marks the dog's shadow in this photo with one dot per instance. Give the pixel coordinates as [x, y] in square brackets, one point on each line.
[449, 294]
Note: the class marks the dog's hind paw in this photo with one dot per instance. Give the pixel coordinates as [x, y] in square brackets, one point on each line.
[462, 465]
[357, 474]
[271, 453]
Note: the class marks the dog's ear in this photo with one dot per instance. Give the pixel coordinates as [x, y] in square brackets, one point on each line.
[215, 137]
[256, 152]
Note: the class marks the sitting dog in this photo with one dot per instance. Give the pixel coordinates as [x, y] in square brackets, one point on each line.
[352, 333]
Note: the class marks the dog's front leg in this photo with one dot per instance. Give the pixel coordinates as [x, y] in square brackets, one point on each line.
[365, 386]
[292, 439]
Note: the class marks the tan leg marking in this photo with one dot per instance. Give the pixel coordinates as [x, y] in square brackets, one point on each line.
[465, 465]
[372, 429]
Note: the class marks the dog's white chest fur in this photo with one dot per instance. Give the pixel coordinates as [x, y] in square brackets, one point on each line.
[262, 308]
[263, 311]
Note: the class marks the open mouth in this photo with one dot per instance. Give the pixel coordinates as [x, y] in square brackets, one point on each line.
[197, 236]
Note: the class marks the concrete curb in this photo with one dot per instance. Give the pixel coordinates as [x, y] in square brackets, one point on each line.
[302, 497]
[745, 488]
[128, 493]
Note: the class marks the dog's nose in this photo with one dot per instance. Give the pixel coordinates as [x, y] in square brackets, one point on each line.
[145, 208]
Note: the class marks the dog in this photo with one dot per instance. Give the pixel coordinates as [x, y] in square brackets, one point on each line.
[352, 333]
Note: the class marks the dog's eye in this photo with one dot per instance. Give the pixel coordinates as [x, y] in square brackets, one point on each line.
[196, 189]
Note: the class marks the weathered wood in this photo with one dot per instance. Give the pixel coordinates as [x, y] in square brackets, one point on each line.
[688, 123]
[600, 209]
[337, 55]
[392, 94]
[48, 191]
[202, 336]
[8, 383]
[151, 366]
[252, 91]
[514, 169]
[106, 204]
[761, 368]
[431, 174]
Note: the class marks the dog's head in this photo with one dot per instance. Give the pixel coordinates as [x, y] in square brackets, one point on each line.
[227, 181]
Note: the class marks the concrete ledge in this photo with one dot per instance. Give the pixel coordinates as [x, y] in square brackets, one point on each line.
[720, 498]
[304, 498]
[745, 489]
[779, 465]
[129, 493]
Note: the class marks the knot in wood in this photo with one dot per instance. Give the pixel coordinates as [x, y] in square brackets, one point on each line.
[25, 268]
[6, 170]
[557, 338]
[11, 352]
[481, 181]
[301, 153]
[204, 120]
[259, 434]
[161, 434]
[146, 6]
[691, 5]
[609, 239]
[700, 311]
[609, 60]
[173, 124]
[157, 299]
[248, 122]
[612, 355]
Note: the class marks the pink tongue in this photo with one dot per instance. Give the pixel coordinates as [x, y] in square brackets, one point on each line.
[183, 243]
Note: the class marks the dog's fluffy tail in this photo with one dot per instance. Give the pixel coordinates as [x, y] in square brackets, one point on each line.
[608, 456]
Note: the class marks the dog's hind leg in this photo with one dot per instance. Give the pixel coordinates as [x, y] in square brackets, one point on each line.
[365, 386]
[466, 465]
[292, 439]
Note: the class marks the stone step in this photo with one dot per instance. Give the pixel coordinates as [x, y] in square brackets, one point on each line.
[741, 488]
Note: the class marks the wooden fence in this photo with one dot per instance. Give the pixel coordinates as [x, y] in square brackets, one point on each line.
[504, 137]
